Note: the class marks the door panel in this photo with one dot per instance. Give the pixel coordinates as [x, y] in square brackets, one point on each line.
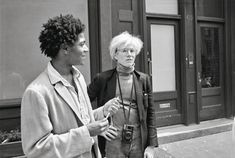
[211, 79]
[165, 70]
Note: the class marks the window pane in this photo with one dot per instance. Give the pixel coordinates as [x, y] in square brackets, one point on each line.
[210, 8]
[163, 57]
[20, 56]
[210, 57]
[162, 6]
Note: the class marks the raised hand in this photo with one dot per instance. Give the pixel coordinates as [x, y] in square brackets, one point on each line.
[110, 133]
[97, 127]
[111, 106]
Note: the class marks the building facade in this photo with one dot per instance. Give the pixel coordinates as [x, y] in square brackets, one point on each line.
[189, 51]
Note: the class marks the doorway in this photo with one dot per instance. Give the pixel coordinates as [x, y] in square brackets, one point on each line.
[164, 66]
[210, 87]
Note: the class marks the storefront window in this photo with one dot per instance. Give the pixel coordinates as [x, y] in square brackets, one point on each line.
[163, 57]
[162, 6]
[210, 57]
[20, 56]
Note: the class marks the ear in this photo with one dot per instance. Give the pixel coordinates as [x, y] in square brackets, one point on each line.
[65, 52]
[64, 47]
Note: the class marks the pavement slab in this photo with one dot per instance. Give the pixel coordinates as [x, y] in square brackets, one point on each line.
[211, 146]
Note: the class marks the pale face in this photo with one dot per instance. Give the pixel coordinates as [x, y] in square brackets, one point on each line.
[77, 53]
[126, 55]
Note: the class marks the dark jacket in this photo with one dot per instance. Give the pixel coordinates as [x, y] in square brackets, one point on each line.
[103, 88]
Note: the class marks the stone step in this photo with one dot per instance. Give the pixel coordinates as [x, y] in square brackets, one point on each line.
[181, 132]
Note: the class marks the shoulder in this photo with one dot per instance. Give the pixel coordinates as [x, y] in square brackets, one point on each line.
[105, 75]
[141, 75]
[40, 83]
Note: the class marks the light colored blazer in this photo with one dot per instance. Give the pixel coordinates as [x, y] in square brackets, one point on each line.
[50, 124]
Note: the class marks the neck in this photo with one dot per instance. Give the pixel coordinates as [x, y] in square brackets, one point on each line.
[125, 70]
[62, 68]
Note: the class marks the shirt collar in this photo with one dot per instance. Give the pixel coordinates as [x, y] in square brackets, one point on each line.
[76, 72]
[55, 76]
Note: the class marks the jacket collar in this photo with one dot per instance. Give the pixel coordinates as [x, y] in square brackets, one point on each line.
[55, 77]
[114, 72]
[60, 85]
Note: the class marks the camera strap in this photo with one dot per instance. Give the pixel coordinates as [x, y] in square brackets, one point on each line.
[120, 90]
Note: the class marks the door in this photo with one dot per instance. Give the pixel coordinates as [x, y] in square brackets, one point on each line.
[164, 66]
[210, 74]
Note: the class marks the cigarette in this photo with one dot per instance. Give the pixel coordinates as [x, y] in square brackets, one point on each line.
[107, 116]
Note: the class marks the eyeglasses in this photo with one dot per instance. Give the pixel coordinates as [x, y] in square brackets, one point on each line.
[126, 50]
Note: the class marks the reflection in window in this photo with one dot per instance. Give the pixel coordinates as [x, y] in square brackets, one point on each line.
[210, 57]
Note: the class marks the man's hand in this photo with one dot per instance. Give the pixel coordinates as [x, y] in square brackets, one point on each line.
[149, 152]
[97, 127]
[111, 106]
[110, 133]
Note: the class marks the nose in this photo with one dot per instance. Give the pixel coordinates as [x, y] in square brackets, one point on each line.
[130, 52]
[86, 49]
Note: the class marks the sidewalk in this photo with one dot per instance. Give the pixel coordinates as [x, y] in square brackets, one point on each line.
[211, 146]
[209, 139]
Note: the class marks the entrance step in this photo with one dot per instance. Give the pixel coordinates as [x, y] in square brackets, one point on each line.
[175, 133]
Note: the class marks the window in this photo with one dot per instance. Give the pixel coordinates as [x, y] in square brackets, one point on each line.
[210, 8]
[163, 57]
[20, 24]
[210, 58]
[162, 6]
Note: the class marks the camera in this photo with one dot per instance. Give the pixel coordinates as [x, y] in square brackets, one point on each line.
[127, 133]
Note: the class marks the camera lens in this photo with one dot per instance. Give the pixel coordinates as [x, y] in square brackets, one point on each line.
[128, 135]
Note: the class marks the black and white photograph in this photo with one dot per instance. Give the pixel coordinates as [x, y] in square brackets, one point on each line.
[117, 78]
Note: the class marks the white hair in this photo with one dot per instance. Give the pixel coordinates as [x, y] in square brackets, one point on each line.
[124, 39]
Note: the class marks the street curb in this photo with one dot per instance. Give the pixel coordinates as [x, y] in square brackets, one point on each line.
[210, 127]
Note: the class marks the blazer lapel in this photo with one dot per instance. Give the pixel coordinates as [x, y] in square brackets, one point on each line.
[139, 96]
[64, 93]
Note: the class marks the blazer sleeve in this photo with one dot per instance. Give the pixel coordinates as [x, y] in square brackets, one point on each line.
[38, 139]
[151, 118]
[94, 87]
[93, 91]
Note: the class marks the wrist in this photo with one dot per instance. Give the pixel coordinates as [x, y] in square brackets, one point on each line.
[149, 148]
